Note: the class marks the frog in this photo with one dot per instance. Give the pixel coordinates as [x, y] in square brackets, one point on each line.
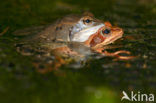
[73, 37]
[65, 29]
[105, 36]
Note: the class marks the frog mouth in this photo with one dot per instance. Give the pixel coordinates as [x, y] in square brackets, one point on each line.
[84, 34]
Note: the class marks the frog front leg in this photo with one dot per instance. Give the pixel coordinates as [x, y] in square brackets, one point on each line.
[115, 54]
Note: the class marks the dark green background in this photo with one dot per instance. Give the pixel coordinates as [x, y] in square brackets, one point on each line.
[101, 80]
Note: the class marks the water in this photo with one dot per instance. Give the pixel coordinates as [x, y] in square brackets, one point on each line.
[100, 80]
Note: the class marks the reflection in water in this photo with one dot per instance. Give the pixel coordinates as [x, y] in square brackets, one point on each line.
[101, 79]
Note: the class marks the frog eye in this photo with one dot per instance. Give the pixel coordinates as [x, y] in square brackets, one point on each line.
[87, 21]
[106, 31]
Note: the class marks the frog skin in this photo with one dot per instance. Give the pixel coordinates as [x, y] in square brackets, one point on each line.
[65, 29]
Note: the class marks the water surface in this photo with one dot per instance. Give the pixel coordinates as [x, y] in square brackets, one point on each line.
[100, 80]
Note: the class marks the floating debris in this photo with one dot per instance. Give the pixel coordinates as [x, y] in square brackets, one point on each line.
[4, 31]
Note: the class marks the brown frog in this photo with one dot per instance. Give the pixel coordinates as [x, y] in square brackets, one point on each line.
[104, 36]
[65, 29]
[71, 37]
[68, 30]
